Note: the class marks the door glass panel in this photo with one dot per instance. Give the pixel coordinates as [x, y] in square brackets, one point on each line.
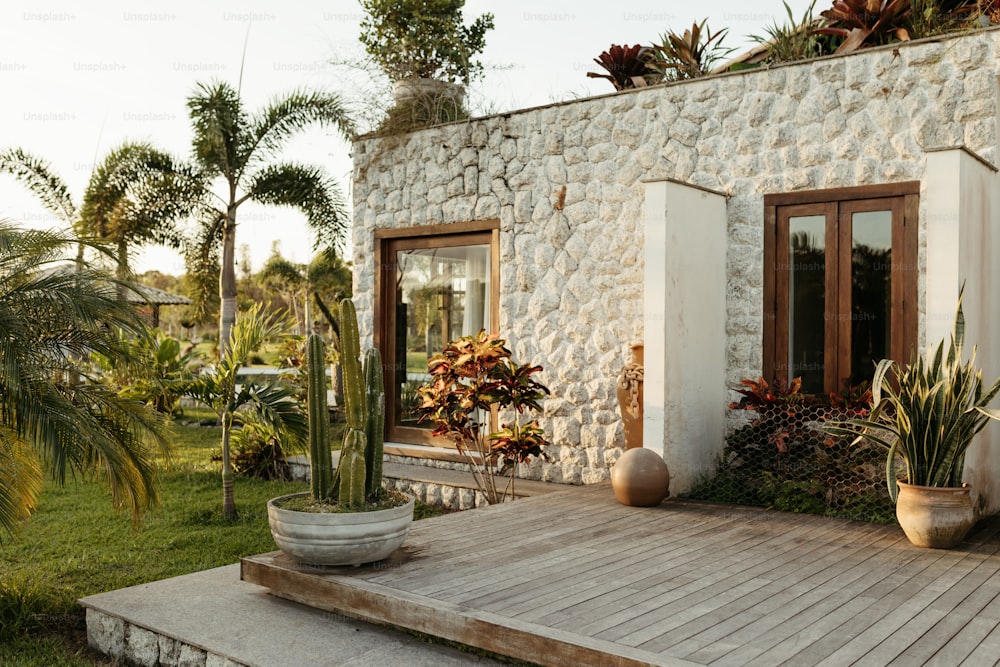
[806, 300]
[871, 293]
[441, 294]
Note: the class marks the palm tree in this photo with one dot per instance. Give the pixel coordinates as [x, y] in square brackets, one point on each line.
[51, 415]
[243, 150]
[137, 195]
[271, 404]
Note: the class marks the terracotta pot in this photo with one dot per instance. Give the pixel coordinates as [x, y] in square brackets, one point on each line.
[935, 517]
[640, 478]
[348, 538]
[630, 398]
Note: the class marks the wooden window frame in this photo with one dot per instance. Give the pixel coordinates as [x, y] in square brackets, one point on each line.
[387, 243]
[840, 204]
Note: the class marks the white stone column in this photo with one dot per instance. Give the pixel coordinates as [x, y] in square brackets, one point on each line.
[963, 245]
[684, 326]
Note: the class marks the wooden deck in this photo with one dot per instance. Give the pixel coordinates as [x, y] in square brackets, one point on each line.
[574, 578]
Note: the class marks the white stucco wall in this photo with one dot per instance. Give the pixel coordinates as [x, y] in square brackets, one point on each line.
[684, 328]
[963, 244]
[566, 183]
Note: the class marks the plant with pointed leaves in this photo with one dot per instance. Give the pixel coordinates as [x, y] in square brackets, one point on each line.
[792, 41]
[243, 150]
[866, 22]
[626, 66]
[51, 320]
[470, 379]
[689, 55]
[927, 413]
[237, 400]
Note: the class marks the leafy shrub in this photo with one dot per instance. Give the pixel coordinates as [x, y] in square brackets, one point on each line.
[472, 378]
[783, 459]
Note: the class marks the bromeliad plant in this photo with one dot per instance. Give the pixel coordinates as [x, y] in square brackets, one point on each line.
[626, 66]
[927, 413]
[689, 55]
[471, 379]
[358, 478]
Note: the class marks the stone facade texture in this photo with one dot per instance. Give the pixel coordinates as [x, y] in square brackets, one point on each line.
[135, 645]
[566, 183]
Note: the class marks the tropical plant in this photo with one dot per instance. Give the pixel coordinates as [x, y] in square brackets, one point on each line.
[866, 22]
[424, 39]
[51, 320]
[136, 195]
[243, 150]
[689, 55]
[927, 413]
[156, 372]
[791, 41]
[626, 66]
[472, 378]
[237, 400]
[259, 453]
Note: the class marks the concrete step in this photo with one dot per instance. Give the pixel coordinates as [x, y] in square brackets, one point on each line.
[212, 619]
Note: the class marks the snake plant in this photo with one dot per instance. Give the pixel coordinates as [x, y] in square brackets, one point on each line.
[927, 413]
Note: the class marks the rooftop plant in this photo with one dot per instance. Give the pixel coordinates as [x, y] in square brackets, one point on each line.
[689, 55]
[424, 38]
[626, 66]
[791, 41]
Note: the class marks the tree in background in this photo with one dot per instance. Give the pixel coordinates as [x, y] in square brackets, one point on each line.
[242, 150]
[137, 195]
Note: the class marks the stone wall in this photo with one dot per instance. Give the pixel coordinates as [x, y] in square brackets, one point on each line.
[134, 645]
[566, 180]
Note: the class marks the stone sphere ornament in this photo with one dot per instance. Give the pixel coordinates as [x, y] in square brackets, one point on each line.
[640, 478]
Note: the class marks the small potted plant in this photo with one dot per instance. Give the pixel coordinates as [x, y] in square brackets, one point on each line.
[347, 518]
[473, 378]
[427, 51]
[926, 415]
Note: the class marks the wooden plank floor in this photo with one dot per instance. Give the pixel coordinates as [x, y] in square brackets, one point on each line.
[574, 578]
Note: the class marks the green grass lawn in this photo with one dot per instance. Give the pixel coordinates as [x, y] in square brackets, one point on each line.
[77, 545]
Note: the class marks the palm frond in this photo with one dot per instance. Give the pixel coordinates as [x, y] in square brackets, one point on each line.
[139, 194]
[283, 117]
[20, 481]
[37, 175]
[308, 189]
[219, 123]
[51, 319]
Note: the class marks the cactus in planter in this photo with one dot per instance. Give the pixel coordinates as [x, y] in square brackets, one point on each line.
[359, 476]
[319, 419]
[373, 523]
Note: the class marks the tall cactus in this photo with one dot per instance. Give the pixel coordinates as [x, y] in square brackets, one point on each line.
[319, 418]
[359, 475]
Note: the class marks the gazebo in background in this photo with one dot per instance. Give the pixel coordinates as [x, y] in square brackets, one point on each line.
[149, 299]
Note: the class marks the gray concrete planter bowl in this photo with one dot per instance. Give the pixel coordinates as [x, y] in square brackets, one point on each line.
[350, 538]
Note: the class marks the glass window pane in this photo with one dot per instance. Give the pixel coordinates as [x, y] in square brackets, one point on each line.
[871, 291]
[441, 294]
[807, 300]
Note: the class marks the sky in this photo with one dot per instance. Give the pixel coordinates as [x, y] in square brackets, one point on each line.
[79, 78]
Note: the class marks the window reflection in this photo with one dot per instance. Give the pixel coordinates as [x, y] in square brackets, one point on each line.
[441, 294]
[807, 300]
[871, 291]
